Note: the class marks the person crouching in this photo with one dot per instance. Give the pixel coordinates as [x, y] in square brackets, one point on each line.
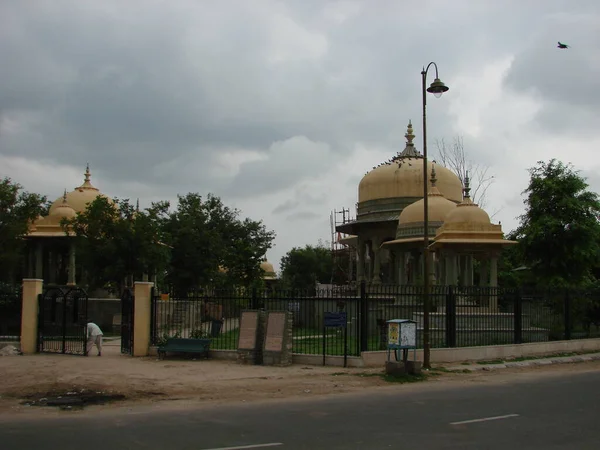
[94, 336]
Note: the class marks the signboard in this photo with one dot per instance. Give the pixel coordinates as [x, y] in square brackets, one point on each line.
[248, 327]
[393, 333]
[275, 330]
[335, 320]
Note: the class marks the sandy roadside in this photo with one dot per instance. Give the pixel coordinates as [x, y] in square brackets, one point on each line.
[148, 380]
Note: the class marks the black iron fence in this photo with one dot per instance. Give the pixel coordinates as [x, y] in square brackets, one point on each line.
[459, 316]
[10, 313]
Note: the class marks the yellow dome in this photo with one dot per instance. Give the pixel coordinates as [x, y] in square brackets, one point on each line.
[63, 210]
[268, 269]
[81, 196]
[403, 177]
[438, 207]
[467, 211]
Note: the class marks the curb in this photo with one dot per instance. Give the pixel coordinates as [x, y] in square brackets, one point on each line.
[530, 363]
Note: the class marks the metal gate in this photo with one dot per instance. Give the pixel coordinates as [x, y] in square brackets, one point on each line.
[63, 320]
[127, 314]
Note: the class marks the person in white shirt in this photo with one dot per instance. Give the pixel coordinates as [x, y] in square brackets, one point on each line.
[94, 336]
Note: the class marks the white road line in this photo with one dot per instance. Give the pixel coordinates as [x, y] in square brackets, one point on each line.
[485, 419]
[272, 444]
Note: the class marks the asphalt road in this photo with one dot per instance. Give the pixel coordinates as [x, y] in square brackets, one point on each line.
[558, 412]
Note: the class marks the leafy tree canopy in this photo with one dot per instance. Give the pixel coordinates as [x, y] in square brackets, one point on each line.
[18, 209]
[559, 234]
[302, 268]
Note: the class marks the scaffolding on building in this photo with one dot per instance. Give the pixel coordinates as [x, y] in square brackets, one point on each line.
[343, 254]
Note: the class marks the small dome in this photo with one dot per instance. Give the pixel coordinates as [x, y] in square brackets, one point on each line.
[63, 210]
[438, 206]
[467, 211]
[268, 269]
[402, 176]
[79, 198]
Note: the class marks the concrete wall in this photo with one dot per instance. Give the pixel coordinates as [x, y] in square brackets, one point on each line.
[449, 355]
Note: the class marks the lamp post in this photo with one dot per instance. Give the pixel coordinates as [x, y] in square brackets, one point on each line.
[437, 88]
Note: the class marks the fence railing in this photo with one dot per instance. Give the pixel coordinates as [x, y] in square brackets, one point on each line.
[459, 316]
[10, 314]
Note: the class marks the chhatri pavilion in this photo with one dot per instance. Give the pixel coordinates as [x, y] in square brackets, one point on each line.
[388, 231]
[51, 249]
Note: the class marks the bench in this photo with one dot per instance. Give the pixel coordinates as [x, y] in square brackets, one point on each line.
[178, 345]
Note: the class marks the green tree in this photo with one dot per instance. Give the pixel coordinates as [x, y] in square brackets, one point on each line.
[18, 209]
[205, 236]
[302, 268]
[116, 242]
[559, 234]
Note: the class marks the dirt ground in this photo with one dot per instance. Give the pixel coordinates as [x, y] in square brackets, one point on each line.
[149, 380]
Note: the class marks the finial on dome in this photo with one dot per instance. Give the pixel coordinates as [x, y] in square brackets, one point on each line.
[137, 205]
[409, 133]
[467, 189]
[65, 197]
[87, 173]
[433, 176]
[409, 151]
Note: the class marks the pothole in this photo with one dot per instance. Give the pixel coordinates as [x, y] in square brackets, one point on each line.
[70, 400]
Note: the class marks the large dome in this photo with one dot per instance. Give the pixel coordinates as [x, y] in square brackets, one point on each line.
[79, 198]
[402, 177]
[268, 269]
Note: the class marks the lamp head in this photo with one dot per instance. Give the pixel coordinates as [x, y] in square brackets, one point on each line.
[437, 88]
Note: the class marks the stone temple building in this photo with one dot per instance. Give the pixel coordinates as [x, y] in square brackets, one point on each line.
[388, 231]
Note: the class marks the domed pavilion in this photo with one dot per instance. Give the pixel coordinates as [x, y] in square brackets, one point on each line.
[51, 248]
[389, 228]
[383, 194]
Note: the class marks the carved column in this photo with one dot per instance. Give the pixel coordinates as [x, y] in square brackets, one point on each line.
[376, 261]
[484, 274]
[493, 282]
[72, 267]
[360, 263]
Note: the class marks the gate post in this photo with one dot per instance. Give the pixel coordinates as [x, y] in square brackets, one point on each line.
[32, 289]
[142, 317]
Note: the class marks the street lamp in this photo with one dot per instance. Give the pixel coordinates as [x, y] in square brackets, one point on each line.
[437, 88]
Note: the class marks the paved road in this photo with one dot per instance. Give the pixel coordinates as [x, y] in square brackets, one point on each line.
[543, 413]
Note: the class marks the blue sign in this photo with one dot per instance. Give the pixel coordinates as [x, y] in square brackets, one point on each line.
[335, 320]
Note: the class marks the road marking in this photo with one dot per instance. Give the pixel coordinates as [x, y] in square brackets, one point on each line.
[272, 444]
[485, 419]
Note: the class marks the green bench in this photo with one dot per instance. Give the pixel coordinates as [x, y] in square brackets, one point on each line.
[179, 345]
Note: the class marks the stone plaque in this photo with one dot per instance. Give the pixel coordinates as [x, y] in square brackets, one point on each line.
[275, 330]
[248, 326]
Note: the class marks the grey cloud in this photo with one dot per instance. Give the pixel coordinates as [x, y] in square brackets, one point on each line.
[129, 91]
[288, 205]
[566, 82]
[303, 215]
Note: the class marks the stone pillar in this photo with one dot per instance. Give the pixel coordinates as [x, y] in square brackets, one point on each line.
[72, 268]
[469, 270]
[142, 318]
[493, 283]
[32, 288]
[376, 263]
[351, 256]
[360, 262]
[39, 260]
[52, 265]
[484, 275]
[399, 258]
[451, 269]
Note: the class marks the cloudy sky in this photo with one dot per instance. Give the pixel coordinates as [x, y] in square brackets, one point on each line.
[280, 107]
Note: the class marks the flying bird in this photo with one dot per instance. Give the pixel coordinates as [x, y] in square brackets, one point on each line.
[561, 45]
